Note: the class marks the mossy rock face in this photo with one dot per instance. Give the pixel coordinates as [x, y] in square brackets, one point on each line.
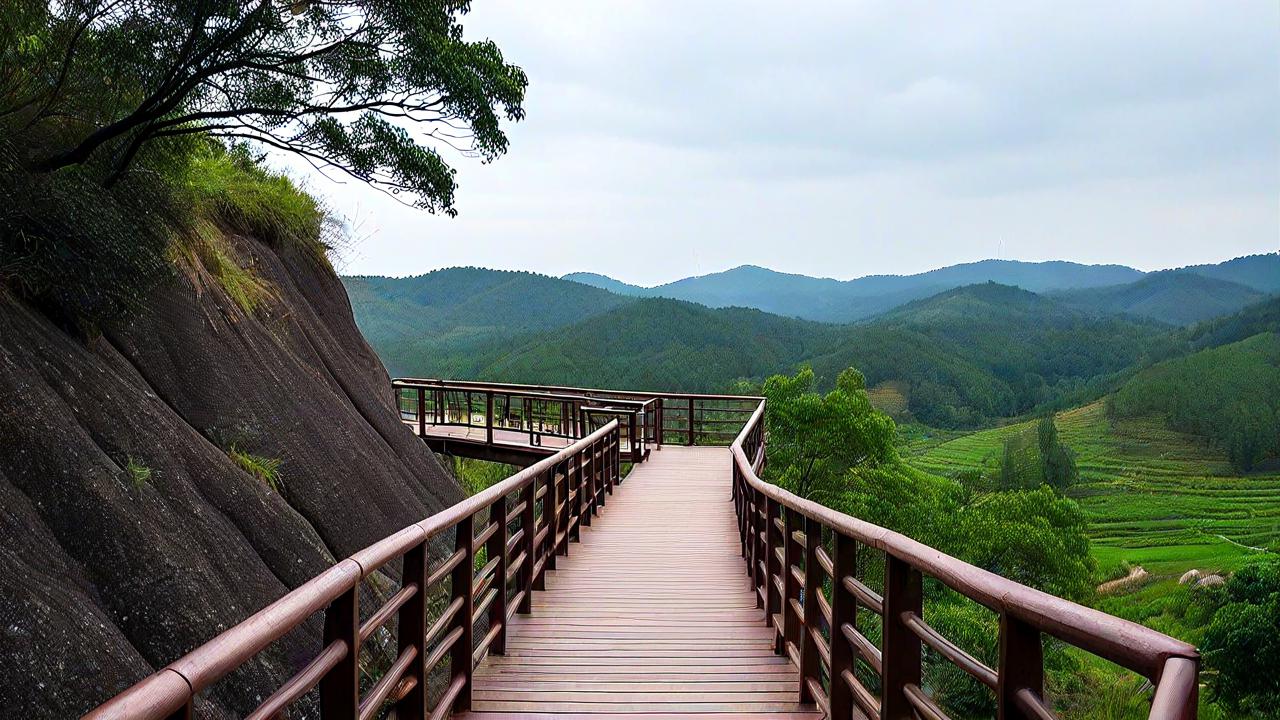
[106, 578]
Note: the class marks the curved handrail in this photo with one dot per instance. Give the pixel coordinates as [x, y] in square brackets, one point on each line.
[1025, 612]
[568, 479]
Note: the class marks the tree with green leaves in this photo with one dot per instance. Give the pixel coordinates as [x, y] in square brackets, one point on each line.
[1058, 465]
[1242, 642]
[815, 440]
[369, 88]
[1037, 456]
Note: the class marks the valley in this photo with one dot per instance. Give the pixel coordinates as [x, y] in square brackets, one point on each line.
[960, 370]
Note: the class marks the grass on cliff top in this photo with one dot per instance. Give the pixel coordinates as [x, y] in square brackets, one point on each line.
[1154, 497]
[229, 191]
[232, 189]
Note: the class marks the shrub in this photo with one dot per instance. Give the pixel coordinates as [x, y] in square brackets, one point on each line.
[1242, 642]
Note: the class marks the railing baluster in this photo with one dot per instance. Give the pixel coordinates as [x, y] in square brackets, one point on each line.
[758, 552]
[488, 417]
[462, 589]
[411, 630]
[551, 514]
[422, 412]
[690, 440]
[637, 450]
[901, 647]
[792, 556]
[1021, 666]
[844, 609]
[809, 658]
[586, 496]
[771, 599]
[528, 523]
[606, 468]
[340, 687]
[496, 547]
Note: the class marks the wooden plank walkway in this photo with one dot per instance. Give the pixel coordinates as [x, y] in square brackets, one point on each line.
[651, 615]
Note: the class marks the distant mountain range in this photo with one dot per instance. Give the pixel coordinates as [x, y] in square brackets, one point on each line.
[1244, 279]
[958, 357]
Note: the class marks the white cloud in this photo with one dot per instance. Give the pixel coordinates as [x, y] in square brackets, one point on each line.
[665, 139]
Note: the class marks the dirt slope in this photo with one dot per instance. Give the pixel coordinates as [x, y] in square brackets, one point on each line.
[103, 578]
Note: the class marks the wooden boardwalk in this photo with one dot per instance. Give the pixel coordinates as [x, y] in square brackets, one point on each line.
[651, 615]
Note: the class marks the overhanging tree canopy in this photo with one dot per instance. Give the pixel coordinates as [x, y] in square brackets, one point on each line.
[371, 88]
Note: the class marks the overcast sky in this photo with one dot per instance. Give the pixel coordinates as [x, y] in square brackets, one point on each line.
[667, 139]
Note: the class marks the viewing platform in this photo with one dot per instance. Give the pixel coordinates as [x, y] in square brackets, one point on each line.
[688, 587]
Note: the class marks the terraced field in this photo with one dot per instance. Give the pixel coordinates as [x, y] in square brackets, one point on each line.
[1156, 498]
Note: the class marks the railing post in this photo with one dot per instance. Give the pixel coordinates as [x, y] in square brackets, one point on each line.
[844, 611]
[772, 599]
[461, 584]
[488, 418]
[810, 662]
[690, 439]
[791, 619]
[340, 687]
[636, 453]
[657, 423]
[1021, 667]
[551, 515]
[496, 547]
[606, 465]
[412, 629]
[528, 416]
[528, 523]
[422, 412]
[586, 493]
[901, 647]
[759, 568]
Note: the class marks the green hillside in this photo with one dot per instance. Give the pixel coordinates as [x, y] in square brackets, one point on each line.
[974, 354]
[1154, 497]
[1229, 395]
[663, 344]
[442, 322]
[1258, 318]
[1260, 272]
[962, 358]
[1176, 298]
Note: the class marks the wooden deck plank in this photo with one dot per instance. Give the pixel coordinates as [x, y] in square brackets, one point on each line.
[650, 615]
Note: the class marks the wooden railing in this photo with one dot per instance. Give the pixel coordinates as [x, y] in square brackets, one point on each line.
[803, 560]
[670, 418]
[808, 564]
[535, 414]
[504, 539]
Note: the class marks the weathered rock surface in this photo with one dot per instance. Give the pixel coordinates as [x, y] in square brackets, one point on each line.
[104, 578]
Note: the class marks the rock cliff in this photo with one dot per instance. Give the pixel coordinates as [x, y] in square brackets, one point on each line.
[128, 533]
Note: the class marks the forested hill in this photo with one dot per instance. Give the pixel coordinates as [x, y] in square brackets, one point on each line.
[828, 300]
[1174, 297]
[964, 357]
[458, 312]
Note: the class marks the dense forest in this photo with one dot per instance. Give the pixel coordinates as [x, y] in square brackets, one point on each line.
[961, 358]
[1229, 394]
